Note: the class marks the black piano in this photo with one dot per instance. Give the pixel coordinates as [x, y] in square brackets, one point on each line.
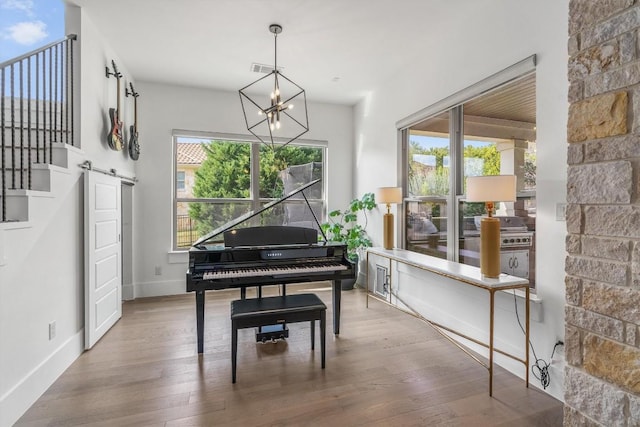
[240, 255]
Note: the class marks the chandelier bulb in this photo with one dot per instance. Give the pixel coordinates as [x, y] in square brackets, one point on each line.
[290, 106]
[277, 125]
[259, 112]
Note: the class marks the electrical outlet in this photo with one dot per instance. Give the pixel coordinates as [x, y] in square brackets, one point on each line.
[158, 270]
[52, 330]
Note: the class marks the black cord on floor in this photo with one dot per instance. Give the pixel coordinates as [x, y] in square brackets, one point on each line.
[540, 368]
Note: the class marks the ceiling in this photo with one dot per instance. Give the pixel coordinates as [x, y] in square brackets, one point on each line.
[337, 50]
[515, 101]
[506, 112]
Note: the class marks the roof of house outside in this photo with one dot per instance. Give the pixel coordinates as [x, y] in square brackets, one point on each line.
[190, 153]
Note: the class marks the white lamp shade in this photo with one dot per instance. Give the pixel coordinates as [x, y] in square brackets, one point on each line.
[491, 188]
[389, 195]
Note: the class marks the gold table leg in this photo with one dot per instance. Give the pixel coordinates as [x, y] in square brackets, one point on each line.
[491, 293]
[526, 344]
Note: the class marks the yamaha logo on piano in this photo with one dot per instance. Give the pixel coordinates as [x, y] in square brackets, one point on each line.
[274, 254]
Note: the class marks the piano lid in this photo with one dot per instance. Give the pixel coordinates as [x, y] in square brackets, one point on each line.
[251, 214]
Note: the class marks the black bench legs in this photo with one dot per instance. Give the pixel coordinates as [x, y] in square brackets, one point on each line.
[251, 313]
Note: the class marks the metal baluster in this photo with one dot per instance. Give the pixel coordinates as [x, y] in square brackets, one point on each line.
[29, 122]
[66, 78]
[51, 118]
[44, 107]
[55, 102]
[73, 141]
[21, 126]
[2, 138]
[61, 97]
[37, 109]
[13, 131]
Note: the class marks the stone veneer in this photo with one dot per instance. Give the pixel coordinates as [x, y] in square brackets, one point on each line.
[602, 312]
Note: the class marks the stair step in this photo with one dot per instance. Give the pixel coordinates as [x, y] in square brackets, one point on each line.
[18, 201]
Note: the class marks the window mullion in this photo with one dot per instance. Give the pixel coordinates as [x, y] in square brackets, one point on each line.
[455, 182]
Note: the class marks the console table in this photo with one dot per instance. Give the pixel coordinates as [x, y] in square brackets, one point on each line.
[466, 275]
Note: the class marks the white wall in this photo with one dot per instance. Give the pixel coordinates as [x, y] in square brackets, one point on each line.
[493, 36]
[99, 95]
[162, 108]
[42, 265]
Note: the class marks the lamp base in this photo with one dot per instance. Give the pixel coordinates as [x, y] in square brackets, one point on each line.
[490, 247]
[388, 230]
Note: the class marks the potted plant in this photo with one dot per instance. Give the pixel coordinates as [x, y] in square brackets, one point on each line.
[343, 227]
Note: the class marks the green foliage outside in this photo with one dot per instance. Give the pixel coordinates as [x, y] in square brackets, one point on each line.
[274, 161]
[226, 173]
[434, 181]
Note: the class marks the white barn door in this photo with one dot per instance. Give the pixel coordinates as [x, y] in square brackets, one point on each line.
[103, 255]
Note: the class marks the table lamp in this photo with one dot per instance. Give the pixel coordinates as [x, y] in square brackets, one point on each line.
[388, 195]
[490, 189]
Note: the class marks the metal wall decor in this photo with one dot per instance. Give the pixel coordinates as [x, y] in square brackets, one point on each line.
[274, 107]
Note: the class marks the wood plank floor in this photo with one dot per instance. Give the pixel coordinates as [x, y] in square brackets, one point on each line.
[386, 368]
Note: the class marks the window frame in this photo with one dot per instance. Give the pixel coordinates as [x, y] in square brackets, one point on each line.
[453, 105]
[254, 192]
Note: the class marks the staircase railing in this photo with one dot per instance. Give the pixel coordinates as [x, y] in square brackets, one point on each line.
[36, 110]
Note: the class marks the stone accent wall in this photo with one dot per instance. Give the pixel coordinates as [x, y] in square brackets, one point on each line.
[602, 312]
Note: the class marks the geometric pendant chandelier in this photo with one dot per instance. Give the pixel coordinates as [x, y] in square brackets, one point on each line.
[274, 107]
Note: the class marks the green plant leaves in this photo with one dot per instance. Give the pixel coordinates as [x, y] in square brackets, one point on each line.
[343, 225]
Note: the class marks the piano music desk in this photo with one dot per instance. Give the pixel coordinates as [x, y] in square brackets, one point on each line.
[466, 275]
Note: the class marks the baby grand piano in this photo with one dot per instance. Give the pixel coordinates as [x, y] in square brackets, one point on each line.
[238, 255]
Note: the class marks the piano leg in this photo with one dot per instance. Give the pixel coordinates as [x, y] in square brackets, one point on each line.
[200, 320]
[337, 294]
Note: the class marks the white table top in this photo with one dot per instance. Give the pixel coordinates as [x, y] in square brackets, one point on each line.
[462, 272]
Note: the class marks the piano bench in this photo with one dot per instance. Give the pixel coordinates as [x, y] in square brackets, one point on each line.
[256, 312]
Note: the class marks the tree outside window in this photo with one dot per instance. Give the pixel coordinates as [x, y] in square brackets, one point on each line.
[222, 190]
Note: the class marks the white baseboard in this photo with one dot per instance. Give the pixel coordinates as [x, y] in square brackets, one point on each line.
[159, 288]
[16, 401]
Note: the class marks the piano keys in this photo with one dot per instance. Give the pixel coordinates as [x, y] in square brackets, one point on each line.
[284, 270]
[232, 257]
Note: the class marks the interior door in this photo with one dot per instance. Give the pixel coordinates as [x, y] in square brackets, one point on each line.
[103, 255]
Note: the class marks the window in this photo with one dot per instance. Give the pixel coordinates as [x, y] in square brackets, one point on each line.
[220, 179]
[180, 184]
[491, 133]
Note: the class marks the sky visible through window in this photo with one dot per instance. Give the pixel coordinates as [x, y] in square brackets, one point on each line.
[26, 25]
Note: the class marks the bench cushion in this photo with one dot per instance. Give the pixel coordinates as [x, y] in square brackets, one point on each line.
[295, 303]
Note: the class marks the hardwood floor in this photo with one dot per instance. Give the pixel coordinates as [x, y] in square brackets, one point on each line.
[385, 369]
